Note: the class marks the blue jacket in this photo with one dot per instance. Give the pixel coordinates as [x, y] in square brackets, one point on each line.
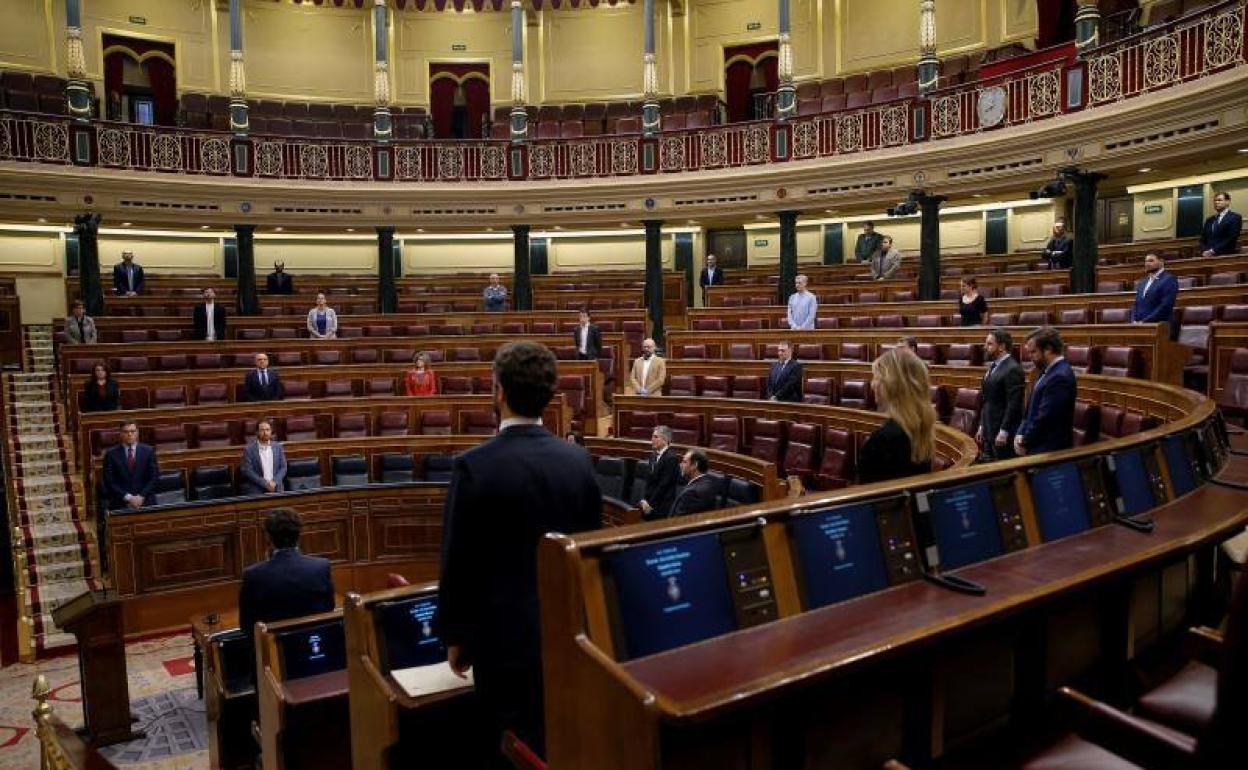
[284, 586]
[1221, 238]
[1158, 306]
[120, 481]
[505, 495]
[120, 284]
[1050, 419]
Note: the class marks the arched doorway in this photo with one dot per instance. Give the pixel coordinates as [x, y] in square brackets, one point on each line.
[750, 80]
[140, 81]
[459, 99]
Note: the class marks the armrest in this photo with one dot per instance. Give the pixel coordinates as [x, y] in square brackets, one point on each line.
[893, 764]
[1205, 645]
[1134, 739]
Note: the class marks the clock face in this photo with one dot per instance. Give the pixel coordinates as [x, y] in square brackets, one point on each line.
[991, 106]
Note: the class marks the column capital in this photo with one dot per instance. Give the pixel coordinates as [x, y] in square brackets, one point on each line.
[657, 224]
[244, 229]
[385, 230]
[789, 214]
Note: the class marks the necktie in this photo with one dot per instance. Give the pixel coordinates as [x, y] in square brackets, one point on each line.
[130, 457]
[264, 379]
[82, 331]
[130, 277]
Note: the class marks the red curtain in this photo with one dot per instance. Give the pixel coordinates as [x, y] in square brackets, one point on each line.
[164, 90]
[114, 64]
[445, 80]
[1056, 22]
[740, 63]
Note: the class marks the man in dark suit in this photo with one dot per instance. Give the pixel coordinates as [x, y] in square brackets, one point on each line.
[504, 496]
[263, 383]
[1220, 234]
[664, 476]
[1003, 389]
[127, 276]
[699, 493]
[209, 318]
[1050, 419]
[286, 585]
[784, 381]
[264, 463]
[712, 275]
[588, 338]
[868, 242]
[130, 471]
[1060, 250]
[279, 281]
[130, 474]
[1155, 295]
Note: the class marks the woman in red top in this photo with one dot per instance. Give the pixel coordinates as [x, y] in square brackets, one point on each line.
[420, 380]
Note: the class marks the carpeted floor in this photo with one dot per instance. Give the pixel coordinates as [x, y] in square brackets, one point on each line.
[162, 693]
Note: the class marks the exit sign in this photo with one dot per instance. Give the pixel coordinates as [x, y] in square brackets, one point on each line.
[761, 242]
[753, 26]
[1154, 208]
[459, 46]
[138, 19]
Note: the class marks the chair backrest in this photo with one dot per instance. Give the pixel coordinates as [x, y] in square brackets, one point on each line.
[715, 386]
[435, 422]
[964, 354]
[1087, 422]
[304, 473]
[693, 351]
[611, 473]
[212, 434]
[856, 394]
[853, 351]
[1115, 315]
[802, 449]
[476, 422]
[682, 385]
[1121, 362]
[747, 386]
[1084, 359]
[169, 396]
[1033, 318]
[296, 389]
[350, 470]
[436, 467]
[769, 441]
[1198, 315]
[687, 428]
[966, 407]
[741, 351]
[836, 466]
[211, 482]
[338, 389]
[171, 487]
[396, 467]
[350, 426]
[1111, 421]
[1077, 316]
[392, 424]
[819, 390]
[725, 434]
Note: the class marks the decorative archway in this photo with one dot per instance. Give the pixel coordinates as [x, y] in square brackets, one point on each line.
[459, 98]
[156, 61]
[749, 70]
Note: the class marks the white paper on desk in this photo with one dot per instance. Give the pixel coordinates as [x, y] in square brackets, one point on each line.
[418, 681]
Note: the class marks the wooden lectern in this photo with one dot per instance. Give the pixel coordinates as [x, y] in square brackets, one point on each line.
[94, 618]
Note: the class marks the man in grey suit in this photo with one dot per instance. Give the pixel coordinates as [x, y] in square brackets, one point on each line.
[80, 327]
[885, 261]
[1002, 391]
[264, 463]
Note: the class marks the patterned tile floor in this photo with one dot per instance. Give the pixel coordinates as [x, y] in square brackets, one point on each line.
[162, 693]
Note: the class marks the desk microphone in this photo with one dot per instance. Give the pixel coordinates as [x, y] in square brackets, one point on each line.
[1139, 525]
[954, 583]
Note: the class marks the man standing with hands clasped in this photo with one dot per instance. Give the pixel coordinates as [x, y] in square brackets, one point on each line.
[663, 478]
[649, 371]
[1003, 389]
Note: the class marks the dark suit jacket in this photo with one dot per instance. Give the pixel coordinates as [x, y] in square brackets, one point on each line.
[1060, 251]
[695, 497]
[1050, 418]
[279, 283]
[1223, 238]
[252, 471]
[201, 321]
[1158, 306]
[886, 455]
[705, 279]
[94, 401]
[274, 391]
[661, 484]
[785, 384]
[119, 278]
[1003, 389]
[120, 481]
[505, 495]
[286, 585]
[593, 344]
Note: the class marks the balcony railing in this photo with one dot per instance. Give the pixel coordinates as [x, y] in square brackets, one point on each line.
[1186, 49]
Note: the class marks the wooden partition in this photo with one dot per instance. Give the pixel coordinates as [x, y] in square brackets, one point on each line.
[854, 683]
[80, 358]
[140, 390]
[775, 316]
[400, 325]
[843, 289]
[1160, 359]
[1224, 339]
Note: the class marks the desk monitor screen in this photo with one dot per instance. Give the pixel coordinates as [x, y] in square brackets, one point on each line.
[1060, 502]
[313, 650]
[406, 633]
[1135, 488]
[964, 525]
[238, 660]
[838, 554]
[1179, 464]
[670, 593]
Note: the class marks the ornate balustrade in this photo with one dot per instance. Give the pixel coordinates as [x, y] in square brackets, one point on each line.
[1187, 49]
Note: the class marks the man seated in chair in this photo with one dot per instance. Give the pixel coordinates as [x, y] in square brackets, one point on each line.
[264, 463]
[698, 494]
[286, 585]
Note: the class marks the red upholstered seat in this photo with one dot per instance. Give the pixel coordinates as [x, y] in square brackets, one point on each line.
[465, 354]
[747, 386]
[435, 422]
[750, 323]
[1083, 358]
[326, 357]
[210, 393]
[693, 351]
[964, 354]
[1235, 313]
[211, 434]
[682, 385]
[687, 428]
[350, 426]
[707, 324]
[836, 465]
[828, 322]
[854, 351]
[1121, 362]
[169, 396]
[809, 351]
[1087, 422]
[392, 424]
[455, 386]
[725, 434]
[1073, 317]
[769, 441]
[819, 390]
[169, 437]
[1002, 319]
[1033, 318]
[339, 389]
[300, 428]
[171, 362]
[637, 425]
[477, 422]
[716, 386]
[1111, 421]
[940, 402]
[741, 351]
[856, 394]
[1225, 279]
[890, 321]
[381, 386]
[1052, 289]
[928, 320]
[930, 353]
[1014, 291]
[1234, 397]
[966, 407]
[1197, 315]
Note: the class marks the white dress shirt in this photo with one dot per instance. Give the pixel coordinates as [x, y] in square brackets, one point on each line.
[582, 336]
[266, 460]
[645, 372]
[211, 325]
